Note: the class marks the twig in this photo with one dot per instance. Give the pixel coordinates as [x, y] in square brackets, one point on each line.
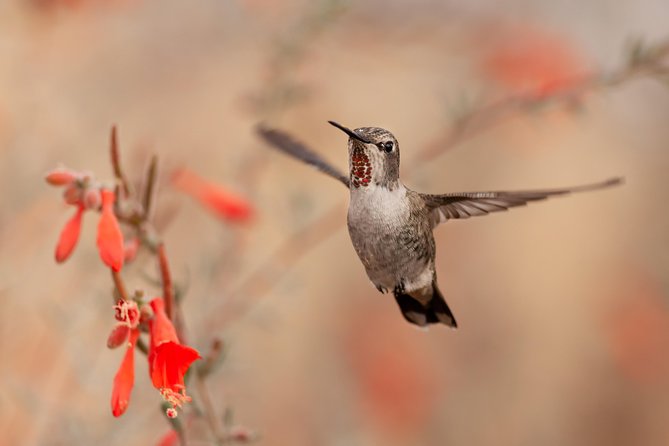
[151, 176]
[116, 161]
[166, 279]
[209, 411]
[120, 287]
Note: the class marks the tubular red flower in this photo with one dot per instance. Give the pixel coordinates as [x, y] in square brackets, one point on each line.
[214, 197]
[110, 238]
[168, 358]
[125, 378]
[69, 236]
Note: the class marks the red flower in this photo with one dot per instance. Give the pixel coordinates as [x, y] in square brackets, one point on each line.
[168, 359]
[214, 197]
[125, 378]
[110, 238]
[69, 236]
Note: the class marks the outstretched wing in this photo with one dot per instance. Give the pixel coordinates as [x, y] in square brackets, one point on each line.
[290, 146]
[470, 204]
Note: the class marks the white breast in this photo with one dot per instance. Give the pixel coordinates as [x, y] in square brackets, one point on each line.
[377, 205]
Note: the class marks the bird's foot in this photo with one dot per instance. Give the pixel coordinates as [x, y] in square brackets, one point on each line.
[399, 288]
[381, 289]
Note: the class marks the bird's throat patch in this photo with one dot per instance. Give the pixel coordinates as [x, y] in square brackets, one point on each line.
[361, 168]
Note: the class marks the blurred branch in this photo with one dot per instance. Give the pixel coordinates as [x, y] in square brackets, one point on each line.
[261, 280]
[208, 409]
[643, 60]
[281, 89]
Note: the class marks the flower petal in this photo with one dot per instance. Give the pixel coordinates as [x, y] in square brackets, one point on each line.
[169, 365]
[162, 329]
[110, 238]
[125, 378]
[69, 236]
[168, 359]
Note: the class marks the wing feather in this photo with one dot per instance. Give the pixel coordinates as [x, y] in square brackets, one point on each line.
[287, 144]
[469, 204]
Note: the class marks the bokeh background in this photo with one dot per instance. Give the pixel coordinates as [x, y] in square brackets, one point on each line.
[564, 324]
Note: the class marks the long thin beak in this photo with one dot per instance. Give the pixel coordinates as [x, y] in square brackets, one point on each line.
[350, 132]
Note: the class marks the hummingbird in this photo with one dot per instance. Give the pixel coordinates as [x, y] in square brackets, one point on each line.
[391, 226]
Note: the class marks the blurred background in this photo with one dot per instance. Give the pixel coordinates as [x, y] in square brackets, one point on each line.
[562, 306]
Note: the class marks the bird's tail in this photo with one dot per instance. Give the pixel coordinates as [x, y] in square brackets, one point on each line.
[434, 312]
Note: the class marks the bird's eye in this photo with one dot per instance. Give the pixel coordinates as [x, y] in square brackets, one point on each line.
[388, 146]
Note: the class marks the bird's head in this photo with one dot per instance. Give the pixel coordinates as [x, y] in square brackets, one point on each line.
[374, 157]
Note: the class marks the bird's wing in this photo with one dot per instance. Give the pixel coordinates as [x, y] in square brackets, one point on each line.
[470, 204]
[290, 146]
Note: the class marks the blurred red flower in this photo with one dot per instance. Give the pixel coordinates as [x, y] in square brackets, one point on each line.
[110, 238]
[168, 358]
[394, 373]
[125, 378]
[69, 236]
[638, 329]
[214, 197]
[171, 438]
[528, 60]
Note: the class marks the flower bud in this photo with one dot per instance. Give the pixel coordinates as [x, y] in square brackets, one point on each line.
[118, 336]
[92, 198]
[72, 194]
[130, 248]
[60, 177]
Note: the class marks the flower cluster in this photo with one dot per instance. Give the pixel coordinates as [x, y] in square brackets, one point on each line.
[151, 327]
[168, 359]
[85, 193]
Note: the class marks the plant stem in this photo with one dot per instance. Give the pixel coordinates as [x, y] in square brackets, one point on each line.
[118, 283]
[208, 409]
[168, 288]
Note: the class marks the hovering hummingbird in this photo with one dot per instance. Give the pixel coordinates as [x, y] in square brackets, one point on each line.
[391, 225]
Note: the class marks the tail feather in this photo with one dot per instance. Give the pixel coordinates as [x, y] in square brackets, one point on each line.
[435, 311]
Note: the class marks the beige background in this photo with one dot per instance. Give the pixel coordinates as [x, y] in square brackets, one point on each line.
[564, 334]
